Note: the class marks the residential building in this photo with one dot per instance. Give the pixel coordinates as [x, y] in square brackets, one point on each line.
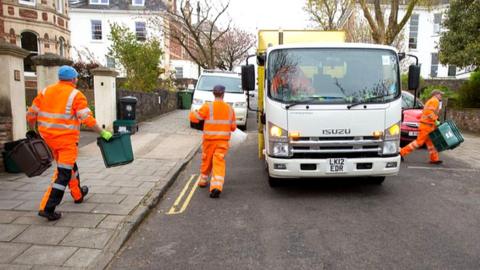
[39, 26]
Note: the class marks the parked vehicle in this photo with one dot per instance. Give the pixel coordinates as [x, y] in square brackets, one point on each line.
[234, 95]
[410, 118]
[327, 108]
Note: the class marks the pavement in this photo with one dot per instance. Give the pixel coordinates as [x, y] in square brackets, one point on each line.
[89, 234]
[468, 152]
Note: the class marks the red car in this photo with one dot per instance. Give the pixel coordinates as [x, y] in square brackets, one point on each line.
[410, 118]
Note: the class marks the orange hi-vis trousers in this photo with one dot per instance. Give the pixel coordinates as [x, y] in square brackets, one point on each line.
[422, 138]
[213, 162]
[65, 174]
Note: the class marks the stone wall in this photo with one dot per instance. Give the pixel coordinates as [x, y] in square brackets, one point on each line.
[465, 119]
[452, 84]
[5, 136]
[148, 105]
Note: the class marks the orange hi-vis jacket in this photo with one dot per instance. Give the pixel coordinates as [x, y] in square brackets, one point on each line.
[219, 120]
[59, 110]
[430, 114]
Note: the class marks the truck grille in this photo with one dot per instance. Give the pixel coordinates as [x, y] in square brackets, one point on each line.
[330, 147]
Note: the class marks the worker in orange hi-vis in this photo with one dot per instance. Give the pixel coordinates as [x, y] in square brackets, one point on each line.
[428, 122]
[58, 111]
[219, 122]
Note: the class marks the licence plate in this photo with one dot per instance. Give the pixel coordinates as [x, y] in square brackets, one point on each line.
[413, 133]
[336, 165]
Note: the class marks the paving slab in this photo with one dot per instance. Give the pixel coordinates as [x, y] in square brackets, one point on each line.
[114, 209]
[30, 205]
[88, 238]
[83, 257]
[34, 219]
[11, 185]
[9, 216]
[102, 189]
[9, 251]
[9, 204]
[81, 220]
[106, 198]
[45, 255]
[10, 231]
[47, 235]
[111, 222]
[80, 208]
[15, 267]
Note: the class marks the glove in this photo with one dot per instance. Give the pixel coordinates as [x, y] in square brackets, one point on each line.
[437, 123]
[106, 135]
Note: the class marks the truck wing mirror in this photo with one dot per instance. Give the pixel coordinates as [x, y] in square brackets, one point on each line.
[248, 77]
[413, 77]
[401, 56]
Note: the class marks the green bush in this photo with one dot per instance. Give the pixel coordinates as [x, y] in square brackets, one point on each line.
[451, 95]
[469, 92]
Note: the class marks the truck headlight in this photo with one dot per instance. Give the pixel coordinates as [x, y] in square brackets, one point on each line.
[278, 141]
[390, 148]
[197, 101]
[240, 105]
[392, 132]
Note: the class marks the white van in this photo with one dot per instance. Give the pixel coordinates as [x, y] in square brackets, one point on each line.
[234, 94]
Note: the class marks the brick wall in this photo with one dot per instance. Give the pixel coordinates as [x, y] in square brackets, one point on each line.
[465, 119]
[452, 84]
[5, 136]
[148, 105]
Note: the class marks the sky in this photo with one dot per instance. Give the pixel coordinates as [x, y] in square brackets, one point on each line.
[252, 15]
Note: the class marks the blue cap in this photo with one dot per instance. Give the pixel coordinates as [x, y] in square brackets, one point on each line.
[67, 73]
[220, 89]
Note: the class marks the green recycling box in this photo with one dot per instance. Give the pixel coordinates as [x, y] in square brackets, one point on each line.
[10, 165]
[116, 151]
[446, 137]
[125, 126]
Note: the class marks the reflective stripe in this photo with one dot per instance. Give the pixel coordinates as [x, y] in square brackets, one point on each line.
[195, 113]
[59, 126]
[225, 133]
[216, 183]
[210, 108]
[58, 186]
[218, 122]
[219, 177]
[56, 115]
[64, 166]
[73, 94]
[203, 176]
[34, 108]
[44, 91]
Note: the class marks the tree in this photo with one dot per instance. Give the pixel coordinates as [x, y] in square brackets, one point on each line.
[386, 33]
[233, 47]
[140, 60]
[460, 44]
[328, 13]
[200, 37]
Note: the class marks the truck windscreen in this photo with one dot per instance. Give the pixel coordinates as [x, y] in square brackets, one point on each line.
[333, 75]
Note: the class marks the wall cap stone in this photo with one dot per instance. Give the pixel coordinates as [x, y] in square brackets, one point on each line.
[51, 60]
[104, 71]
[13, 50]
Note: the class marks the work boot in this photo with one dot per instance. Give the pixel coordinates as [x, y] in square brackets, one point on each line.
[203, 183]
[436, 162]
[51, 216]
[215, 193]
[84, 191]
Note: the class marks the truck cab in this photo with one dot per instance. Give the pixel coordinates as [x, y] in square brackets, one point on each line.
[329, 109]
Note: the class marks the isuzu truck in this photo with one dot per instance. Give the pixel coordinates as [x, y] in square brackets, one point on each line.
[327, 108]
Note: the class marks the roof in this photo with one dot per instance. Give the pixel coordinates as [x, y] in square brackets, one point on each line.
[150, 5]
[333, 45]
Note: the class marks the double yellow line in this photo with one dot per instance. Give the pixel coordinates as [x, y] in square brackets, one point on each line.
[175, 207]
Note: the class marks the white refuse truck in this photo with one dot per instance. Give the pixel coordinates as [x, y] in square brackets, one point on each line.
[327, 108]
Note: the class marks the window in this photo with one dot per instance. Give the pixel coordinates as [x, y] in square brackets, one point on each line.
[59, 4]
[434, 66]
[96, 30]
[29, 43]
[28, 2]
[99, 2]
[61, 47]
[437, 20]
[452, 71]
[412, 38]
[138, 3]
[140, 31]
[179, 72]
[110, 61]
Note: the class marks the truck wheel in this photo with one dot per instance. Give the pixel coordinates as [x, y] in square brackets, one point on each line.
[377, 180]
[273, 182]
